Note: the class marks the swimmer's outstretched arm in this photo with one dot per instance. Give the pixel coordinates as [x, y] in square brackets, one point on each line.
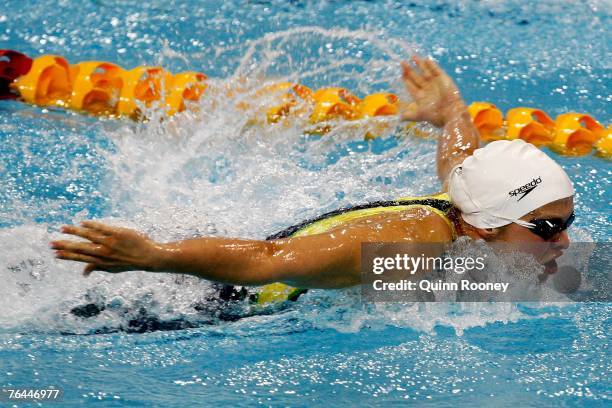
[437, 100]
[328, 260]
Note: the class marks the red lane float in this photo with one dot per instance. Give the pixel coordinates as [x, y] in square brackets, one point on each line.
[13, 65]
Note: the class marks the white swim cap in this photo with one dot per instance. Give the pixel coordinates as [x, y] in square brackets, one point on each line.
[505, 180]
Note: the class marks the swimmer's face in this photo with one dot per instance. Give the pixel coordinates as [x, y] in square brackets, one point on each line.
[545, 251]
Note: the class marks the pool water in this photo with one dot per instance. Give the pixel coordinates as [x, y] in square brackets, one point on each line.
[214, 173]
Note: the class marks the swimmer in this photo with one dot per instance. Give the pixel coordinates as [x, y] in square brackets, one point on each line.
[507, 191]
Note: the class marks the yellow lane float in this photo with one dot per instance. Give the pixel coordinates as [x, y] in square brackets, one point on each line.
[96, 87]
[291, 96]
[333, 103]
[603, 147]
[378, 104]
[103, 88]
[184, 86]
[570, 134]
[48, 82]
[576, 134]
[488, 120]
[531, 125]
[142, 86]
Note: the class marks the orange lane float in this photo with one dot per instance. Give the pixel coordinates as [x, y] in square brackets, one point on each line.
[272, 103]
[531, 125]
[330, 104]
[291, 94]
[104, 88]
[96, 87]
[142, 87]
[184, 87]
[488, 120]
[603, 147]
[570, 134]
[47, 83]
[378, 104]
[576, 134]
[333, 103]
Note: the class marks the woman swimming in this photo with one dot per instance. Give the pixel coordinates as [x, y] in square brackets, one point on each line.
[504, 192]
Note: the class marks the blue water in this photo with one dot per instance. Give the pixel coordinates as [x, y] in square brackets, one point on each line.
[212, 174]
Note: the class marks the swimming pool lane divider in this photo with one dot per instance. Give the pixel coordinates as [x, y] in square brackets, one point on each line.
[106, 89]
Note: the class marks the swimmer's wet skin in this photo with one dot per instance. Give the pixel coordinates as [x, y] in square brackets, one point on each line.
[504, 192]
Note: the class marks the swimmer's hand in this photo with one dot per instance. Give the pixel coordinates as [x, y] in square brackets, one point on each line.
[109, 249]
[437, 100]
[435, 95]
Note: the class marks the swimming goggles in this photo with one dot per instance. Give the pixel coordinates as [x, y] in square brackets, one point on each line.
[549, 227]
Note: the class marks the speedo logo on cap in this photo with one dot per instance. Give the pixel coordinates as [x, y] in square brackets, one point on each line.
[526, 189]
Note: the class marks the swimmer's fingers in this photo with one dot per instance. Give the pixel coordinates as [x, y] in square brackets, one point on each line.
[433, 69]
[94, 267]
[89, 269]
[85, 248]
[118, 250]
[427, 67]
[78, 257]
[113, 234]
[93, 263]
[102, 228]
[87, 233]
[413, 81]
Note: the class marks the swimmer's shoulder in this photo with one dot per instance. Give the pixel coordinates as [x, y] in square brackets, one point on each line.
[429, 225]
[419, 224]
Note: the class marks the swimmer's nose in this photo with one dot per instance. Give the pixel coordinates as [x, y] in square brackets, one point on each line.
[562, 241]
